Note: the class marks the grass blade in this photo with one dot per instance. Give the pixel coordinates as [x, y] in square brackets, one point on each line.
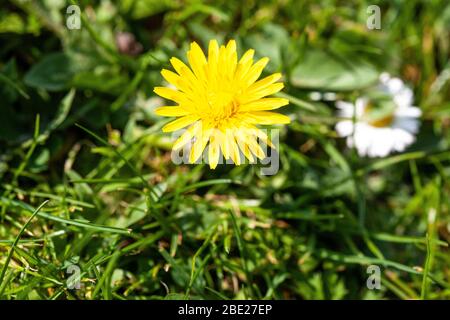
[14, 244]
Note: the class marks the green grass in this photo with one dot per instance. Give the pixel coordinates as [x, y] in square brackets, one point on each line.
[87, 178]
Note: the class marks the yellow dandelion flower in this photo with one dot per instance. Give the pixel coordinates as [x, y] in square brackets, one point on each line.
[220, 101]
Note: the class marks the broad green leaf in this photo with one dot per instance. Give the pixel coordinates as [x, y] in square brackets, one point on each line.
[107, 82]
[52, 73]
[322, 70]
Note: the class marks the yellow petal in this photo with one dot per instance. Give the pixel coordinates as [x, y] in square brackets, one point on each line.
[222, 65]
[170, 76]
[213, 152]
[250, 141]
[187, 135]
[244, 65]
[197, 61]
[213, 51]
[254, 72]
[247, 57]
[180, 123]
[264, 104]
[263, 137]
[267, 117]
[234, 150]
[213, 56]
[176, 80]
[231, 58]
[243, 146]
[198, 53]
[183, 70]
[171, 94]
[222, 140]
[201, 139]
[263, 83]
[178, 65]
[231, 47]
[175, 111]
[263, 92]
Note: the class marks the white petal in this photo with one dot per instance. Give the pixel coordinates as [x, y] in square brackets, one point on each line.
[409, 111]
[395, 85]
[404, 97]
[402, 139]
[383, 143]
[408, 124]
[363, 138]
[361, 104]
[345, 109]
[344, 128]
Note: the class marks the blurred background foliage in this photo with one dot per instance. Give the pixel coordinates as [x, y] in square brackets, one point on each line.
[78, 128]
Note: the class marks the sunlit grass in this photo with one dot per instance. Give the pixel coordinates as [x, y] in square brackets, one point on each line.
[79, 134]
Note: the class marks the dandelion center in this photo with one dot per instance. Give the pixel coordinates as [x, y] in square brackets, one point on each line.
[223, 106]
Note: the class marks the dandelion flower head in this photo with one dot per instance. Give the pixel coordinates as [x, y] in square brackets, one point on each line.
[220, 101]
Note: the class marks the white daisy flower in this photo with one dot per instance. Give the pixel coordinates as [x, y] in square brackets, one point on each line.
[391, 133]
